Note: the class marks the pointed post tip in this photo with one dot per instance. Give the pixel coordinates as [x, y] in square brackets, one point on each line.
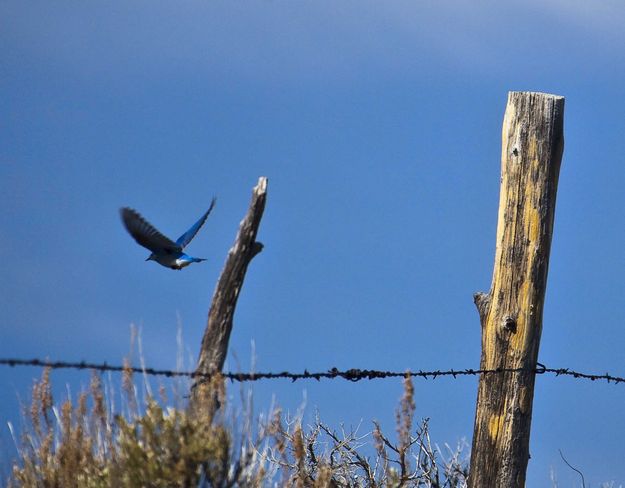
[261, 186]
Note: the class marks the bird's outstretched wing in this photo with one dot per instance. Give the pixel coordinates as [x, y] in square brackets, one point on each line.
[188, 236]
[145, 234]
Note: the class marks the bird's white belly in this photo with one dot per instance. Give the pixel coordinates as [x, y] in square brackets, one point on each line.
[168, 261]
[181, 263]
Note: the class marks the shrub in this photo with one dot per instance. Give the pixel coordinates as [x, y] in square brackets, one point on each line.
[86, 444]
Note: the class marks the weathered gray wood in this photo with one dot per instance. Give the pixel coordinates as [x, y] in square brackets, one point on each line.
[219, 325]
[511, 313]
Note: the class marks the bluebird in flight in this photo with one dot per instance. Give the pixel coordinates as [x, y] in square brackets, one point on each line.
[164, 251]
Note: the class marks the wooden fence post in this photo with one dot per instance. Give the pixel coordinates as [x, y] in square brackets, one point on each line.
[219, 325]
[511, 313]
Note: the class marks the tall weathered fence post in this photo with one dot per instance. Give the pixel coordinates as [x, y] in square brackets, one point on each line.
[511, 313]
[219, 325]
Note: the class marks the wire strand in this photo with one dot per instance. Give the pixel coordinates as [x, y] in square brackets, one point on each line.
[349, 374]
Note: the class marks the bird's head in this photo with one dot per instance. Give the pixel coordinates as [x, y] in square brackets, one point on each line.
[151, 257]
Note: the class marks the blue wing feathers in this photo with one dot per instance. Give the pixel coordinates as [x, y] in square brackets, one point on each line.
[188, 236]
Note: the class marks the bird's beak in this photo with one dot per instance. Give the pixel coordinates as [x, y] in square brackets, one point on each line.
[148, 258]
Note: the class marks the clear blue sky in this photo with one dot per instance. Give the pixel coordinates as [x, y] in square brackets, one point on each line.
[378, 125]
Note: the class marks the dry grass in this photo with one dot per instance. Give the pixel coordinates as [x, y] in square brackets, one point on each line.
[86, 444]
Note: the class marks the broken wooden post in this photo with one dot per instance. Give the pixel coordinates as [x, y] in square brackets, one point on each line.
[219, 325]
[511, 313]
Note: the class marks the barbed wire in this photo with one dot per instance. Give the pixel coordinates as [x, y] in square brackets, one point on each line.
[349, 374]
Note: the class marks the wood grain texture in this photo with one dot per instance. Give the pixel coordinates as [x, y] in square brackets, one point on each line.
[220, 316]
[511, 313]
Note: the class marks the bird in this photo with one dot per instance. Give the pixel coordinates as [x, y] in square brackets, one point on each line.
[164, 251]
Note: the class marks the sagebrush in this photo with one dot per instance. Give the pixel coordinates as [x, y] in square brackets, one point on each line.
[85, 442]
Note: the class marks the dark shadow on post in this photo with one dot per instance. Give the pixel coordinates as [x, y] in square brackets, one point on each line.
[219, 325]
